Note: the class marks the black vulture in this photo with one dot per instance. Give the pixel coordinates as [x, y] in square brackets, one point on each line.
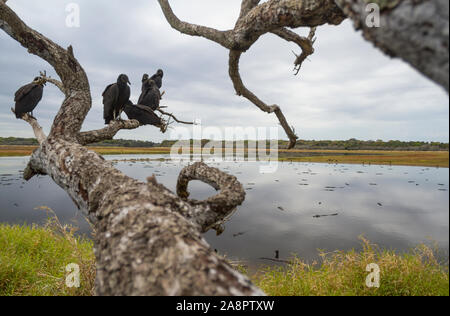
[151, 96]
[144, 82]
[115, 97]
[143, 114]
[157, 78]
[28, 97]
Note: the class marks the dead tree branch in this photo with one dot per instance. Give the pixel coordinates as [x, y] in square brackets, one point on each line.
[220, 37]
[37, 129]
[231, 194]
[55, 82]
[305, 43]
[106, 133]
[256, 19]
[160, 110]
[241, 90]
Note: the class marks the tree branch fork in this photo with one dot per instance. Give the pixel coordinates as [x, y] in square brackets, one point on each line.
[255, 19]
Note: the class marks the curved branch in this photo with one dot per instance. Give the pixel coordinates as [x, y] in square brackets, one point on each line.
[37, 129]
[107, 133]
[241, 90]
[173, 116]
[305, 43]
[221, 37]
[55, 82]
[33, 167]
[257, 19]
[214, 210]
[275, 14]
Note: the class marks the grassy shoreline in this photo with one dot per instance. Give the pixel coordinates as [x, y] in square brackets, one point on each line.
[33, 261]
[375, 157]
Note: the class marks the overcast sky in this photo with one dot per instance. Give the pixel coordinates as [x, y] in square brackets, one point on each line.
[347, 89]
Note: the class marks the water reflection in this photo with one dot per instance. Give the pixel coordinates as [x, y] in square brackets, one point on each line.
[299, 209]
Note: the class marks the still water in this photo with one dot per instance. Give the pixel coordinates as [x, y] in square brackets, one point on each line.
[297, 210]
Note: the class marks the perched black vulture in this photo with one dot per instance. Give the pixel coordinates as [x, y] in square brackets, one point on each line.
[28, 97]
[143, 114]
[151, 96]
[157, 78]
[115, 97]
[144, 82]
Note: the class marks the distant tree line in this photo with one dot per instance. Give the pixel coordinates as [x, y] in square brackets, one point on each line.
[354, 144]
[18, 141]
[126, 143]
[351, 144]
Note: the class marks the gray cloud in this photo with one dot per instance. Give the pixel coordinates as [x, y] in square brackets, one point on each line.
[347, 89]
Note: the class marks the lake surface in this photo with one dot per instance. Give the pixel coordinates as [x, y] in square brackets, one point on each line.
[396, 207]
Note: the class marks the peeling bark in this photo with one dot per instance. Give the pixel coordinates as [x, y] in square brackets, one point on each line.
[148, 240]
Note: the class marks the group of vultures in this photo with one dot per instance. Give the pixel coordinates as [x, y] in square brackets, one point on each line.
[116, 99]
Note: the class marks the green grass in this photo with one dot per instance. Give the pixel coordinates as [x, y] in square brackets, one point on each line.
[33, 260]
[340, 273]
[376, 157]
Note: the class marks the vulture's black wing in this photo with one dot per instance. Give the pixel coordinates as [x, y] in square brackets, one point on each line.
[158, 80]
[151, 98]
[122, 99]
[143, 94]
[110, 96]
[143, 114]
[154, 98]
[23, 91]
[27, 98]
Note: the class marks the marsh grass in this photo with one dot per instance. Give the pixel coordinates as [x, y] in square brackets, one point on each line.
[376, 157]
[340, 273]
[33, 259]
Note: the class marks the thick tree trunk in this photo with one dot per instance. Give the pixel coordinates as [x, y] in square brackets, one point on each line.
[416, 31]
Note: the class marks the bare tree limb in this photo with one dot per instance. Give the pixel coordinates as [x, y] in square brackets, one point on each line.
[107, 133]
[55, 82]
[173, 116]
[221, 37]
[275, 14]
[37, 129]
[241, 90]
[32, 167]
[305, 43]
[256, 19]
